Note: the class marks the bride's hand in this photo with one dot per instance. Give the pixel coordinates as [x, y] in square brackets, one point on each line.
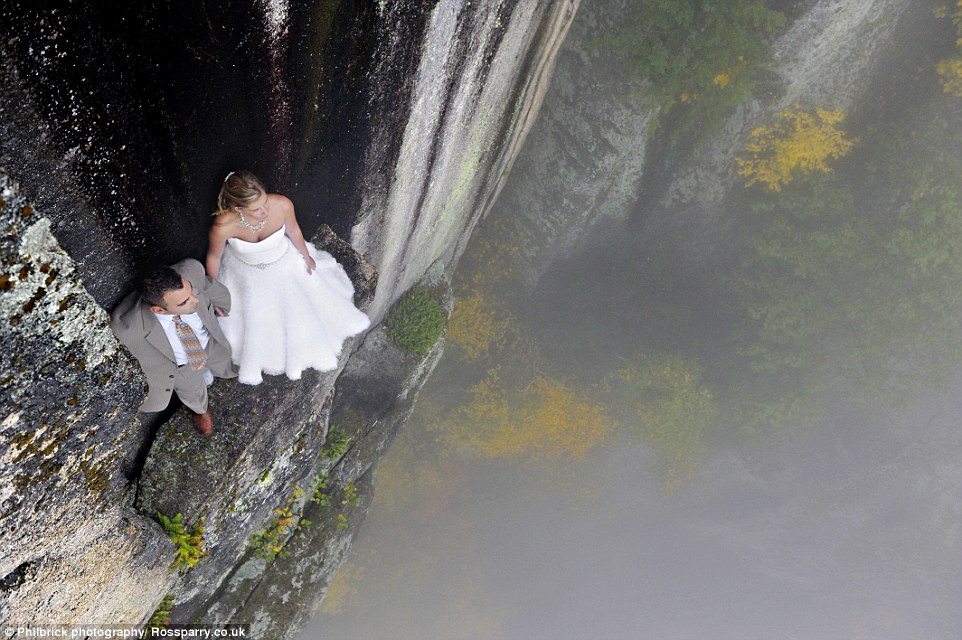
[310, 264]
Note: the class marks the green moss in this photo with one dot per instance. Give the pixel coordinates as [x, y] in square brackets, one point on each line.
[97, 475]
[335, 445]
[416, 320]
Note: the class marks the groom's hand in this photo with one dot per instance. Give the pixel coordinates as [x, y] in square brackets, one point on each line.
[220, 313]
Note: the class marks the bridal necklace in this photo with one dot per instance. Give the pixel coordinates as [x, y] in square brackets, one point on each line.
[253, 227]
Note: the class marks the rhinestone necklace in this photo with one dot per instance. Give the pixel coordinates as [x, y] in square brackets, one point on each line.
[253, 227]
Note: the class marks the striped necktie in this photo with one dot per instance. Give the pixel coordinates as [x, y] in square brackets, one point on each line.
[196, 356]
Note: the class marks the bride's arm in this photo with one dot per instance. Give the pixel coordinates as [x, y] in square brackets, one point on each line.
[293, 231]
[215, 251]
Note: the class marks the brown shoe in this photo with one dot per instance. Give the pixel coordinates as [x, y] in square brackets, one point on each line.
[204, 423]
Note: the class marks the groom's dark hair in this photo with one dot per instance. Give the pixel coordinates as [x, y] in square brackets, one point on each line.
[157, 281]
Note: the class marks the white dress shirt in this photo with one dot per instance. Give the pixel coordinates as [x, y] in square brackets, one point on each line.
[180, 354]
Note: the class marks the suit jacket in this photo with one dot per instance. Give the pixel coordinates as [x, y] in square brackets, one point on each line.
[137, 327]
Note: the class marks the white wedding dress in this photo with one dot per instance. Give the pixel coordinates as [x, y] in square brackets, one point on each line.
[283, 320]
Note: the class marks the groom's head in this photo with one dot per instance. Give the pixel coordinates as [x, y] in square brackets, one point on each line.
[166, 291]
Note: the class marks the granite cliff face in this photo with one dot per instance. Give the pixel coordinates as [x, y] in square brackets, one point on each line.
[395, 123]
[594, 153]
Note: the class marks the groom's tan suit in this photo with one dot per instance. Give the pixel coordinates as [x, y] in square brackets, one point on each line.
[137, 327]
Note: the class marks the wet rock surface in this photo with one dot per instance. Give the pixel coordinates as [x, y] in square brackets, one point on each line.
[73, 548]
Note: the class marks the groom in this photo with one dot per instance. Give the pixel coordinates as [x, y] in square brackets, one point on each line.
[169, 325]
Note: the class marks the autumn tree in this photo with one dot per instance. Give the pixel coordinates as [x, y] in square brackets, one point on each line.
[797, 142]
[523, 414]
[478, 327]
[545, 419]
[950, 69]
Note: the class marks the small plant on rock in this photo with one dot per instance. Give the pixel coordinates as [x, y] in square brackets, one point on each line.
[335, 445]
[269, 543]
[189, 543]
[416, 320]
[321, 497]
[160, 618]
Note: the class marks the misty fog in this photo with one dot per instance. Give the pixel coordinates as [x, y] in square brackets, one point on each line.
[733, 421]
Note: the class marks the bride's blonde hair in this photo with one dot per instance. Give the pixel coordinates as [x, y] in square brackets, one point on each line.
[240, 189]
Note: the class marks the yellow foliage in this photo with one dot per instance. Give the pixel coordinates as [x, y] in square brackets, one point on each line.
[797, 141]
[475, 327]
[951, 71]
[546, 420]
[722, 79]
[951, 68]
[490, 256]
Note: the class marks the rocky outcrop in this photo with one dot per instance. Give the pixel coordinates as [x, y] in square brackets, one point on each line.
[584, 158]
[372, 401]
[73, 549]
[82, 545]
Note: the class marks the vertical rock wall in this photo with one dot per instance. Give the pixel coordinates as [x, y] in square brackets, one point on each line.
[392, 118]
[584, 158]
[482, 70]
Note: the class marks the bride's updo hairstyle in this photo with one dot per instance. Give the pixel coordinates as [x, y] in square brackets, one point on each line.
[240, 189]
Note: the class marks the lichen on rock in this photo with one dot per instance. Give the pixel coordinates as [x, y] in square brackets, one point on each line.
[46, 298]
[73, 550]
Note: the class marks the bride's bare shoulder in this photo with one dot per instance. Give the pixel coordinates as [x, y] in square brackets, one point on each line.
[223, 224]
[280, 203]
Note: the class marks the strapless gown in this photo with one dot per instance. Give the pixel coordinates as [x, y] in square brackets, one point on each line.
[283, 320]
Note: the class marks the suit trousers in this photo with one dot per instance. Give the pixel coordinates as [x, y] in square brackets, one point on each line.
[191, 388]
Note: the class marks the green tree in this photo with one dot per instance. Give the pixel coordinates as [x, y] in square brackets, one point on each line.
[661, 400]
[862, 300]
[700, 53]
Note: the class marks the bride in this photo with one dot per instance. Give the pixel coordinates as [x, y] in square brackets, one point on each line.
[291, 304]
